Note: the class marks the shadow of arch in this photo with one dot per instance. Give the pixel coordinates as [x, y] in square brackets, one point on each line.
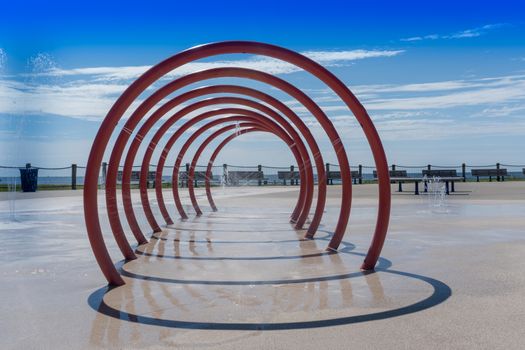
[441, 292]
[383, 265]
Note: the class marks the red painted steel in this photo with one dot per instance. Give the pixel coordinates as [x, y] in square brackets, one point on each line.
[126, 191]
[214, 155]
[246, 115]
[219, 72]
[209, 102]
[266, 125]
[156, 72]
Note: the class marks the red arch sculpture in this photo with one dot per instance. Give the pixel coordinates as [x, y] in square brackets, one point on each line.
[166, 126]
[301, 206]
[152, 75]
[186, 126]
[187, 96]
[208, 173]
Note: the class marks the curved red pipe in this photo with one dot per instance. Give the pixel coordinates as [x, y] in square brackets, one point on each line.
[308, 183]
[268, 126]
[126, 189]
[254, 118]
[153, 74]
[212, 160]
[240, 73]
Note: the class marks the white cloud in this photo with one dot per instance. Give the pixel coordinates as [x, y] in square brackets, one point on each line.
[272, 66]
[467, 33]
[334, 56]
[511, 92]
[502, 111]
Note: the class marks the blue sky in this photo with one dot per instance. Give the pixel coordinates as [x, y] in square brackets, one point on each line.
[444, 81]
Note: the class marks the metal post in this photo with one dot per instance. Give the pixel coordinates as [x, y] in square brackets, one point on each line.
[104, 173]
[73, 176]
[225, 174]
[497, 172]
[328, 173]
[259, 169]
[464, 172]
[360, 174]
[187, 174]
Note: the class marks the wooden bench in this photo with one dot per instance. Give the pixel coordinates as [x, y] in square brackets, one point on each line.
[288, 175]
[135, 177]
[400, 177]
[336, 175]
[449, 176]
[498, 173]
[234, 177]
[197, 176]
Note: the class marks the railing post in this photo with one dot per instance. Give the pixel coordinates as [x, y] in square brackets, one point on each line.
[497, 172]
[327, 173]
[104, 173]
[360, 174]
[464, 172]
[73, 176]
[187, 166]
[225, 174]
[259, 169]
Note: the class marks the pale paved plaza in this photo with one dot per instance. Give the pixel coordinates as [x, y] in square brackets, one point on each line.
[451, 276]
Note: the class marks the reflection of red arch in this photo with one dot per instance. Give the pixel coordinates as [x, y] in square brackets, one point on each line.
[161, 69]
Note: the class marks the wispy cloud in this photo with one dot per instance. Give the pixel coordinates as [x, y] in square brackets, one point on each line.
[511, 92]
[467, 33]
[273, 66]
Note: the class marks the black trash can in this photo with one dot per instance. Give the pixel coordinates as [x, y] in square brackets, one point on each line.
[29, 179]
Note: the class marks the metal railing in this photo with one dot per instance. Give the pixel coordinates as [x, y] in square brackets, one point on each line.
[72, 176]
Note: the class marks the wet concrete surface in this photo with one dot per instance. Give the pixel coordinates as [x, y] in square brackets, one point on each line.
[451, 275]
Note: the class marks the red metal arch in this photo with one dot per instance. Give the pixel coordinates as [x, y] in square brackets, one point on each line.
[321, 199]
[213, 136]
[276, 104]
[269, 125]
[247, 115]
[125, 100]
[208, 173]
[238, 73]
[271, 114]
[214, 155]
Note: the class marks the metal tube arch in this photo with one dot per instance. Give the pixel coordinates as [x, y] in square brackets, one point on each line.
[165, 127]
[214, 155]
[247, 115]
[116, 154]
[269, 127]
[153, 74]
[209, 102]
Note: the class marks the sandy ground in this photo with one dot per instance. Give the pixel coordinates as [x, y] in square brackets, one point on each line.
[451, 275]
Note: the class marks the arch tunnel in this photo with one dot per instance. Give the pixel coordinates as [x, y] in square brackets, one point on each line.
[254, 111]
